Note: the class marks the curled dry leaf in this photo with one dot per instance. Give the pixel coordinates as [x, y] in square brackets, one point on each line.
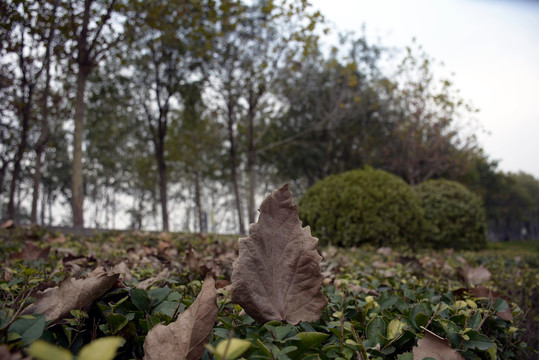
[277, 274]
[187, 336]
[475, 275]
[436, 348]
[57, 302]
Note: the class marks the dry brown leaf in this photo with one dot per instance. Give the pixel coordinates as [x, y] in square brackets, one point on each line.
[185, 338]
[163, 275]
[277, 274]
[7, 224]
[57, 302]
[435, 347]
[31, 252]
[475, 276]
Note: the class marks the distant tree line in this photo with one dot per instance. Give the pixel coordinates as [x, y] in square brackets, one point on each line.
[141, 107]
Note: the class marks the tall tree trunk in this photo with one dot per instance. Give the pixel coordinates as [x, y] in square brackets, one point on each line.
[40, 146]
[44, 134]
[198, 202]
[77, 185]
[21, 149]
[251, 158]
[234, 161]
[162, 166]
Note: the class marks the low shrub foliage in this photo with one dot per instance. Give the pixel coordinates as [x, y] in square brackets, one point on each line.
[455, 216]
[381, 304]
[363, 206]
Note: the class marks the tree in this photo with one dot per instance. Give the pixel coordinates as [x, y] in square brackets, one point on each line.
[171, 40]
[334, 118]
[49, 42]
[31, 27]
[91, 32]
[263, 40]
[427, 140]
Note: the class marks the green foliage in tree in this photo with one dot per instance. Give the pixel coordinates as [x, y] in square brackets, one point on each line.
[455, 215]
[363, 206]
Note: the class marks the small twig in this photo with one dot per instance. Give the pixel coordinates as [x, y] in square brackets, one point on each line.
[434, 315]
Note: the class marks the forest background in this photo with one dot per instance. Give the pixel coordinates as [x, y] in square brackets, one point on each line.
[181, 115]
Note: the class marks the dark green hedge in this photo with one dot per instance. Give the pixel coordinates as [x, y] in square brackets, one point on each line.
[455, 215]
[362, 206]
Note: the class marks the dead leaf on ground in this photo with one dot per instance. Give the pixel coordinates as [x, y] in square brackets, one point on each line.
[277, 274]
[7, 224]
[435, 347]
[122, 269]
[185, 338]
[56, 303]
[163, 275]
[475, 275]
[31, 252]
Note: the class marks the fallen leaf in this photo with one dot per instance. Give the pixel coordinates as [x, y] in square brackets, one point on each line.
[475, 275]
[31, 252]
[436, 348]
[163, 275]
[123, 270]
[187, 336]
[277, 273]
[7, 224]
[56, 303]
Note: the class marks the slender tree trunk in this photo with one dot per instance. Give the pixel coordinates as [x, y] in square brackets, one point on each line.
[77, 185]
[198, 202]
[43, 207]
[21, 149]
[162, 166]
[40, 146]
[234, 161]
[251, 158]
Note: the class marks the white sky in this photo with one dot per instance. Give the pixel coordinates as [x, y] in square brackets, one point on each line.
[491, 46]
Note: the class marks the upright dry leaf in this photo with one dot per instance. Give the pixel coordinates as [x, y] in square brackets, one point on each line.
[56, 303]
[435, 347]
[475, 276]
[187, 336]
[277, 274]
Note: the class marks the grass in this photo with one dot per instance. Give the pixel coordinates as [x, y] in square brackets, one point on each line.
[530, 247]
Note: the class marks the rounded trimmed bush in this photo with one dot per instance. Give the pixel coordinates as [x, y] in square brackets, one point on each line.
[455, 216]
[362, 206]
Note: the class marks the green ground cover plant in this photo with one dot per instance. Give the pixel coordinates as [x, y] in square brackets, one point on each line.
[382, 303]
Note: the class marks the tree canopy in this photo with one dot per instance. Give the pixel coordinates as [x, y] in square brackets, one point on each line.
[180, 115]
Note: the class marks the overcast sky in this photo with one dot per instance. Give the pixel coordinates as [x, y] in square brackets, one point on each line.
[491, 46]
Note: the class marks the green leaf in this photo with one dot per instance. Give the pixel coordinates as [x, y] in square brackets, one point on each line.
[230, 349]
[117, 321]
[101, 349]
[157, 295]
[42, 350]
[405, 356]
[167, 308]
[29, 327]
[140, 299]
[500, 305]
[308, 340]
[395, 328]
[375, 331]
[305, 341]
[477, 340]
